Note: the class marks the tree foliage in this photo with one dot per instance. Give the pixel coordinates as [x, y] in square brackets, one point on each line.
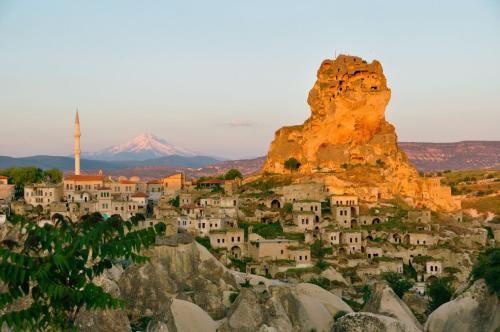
[22, 176]
[439, 291]
[399, 284]
[55, 264]
[488, 268]
[292, 164]
[232, 174]
[176, 201]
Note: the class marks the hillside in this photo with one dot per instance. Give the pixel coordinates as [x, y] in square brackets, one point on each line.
[455, 156]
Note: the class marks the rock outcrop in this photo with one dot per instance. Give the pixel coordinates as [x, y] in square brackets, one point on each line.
[385, 302]
[347, 129]
[365, 321]
[182, 316]
[303, 307]
[105, 320]
[474, 310]
[184, 271]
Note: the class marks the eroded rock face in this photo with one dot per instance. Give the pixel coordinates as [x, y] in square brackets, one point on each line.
[104, 320]
[182, 316]
[347, 126]
[474, 310]
[365, 321]
[347, 123]
[303, 307]
[384, 301]
[185, 271]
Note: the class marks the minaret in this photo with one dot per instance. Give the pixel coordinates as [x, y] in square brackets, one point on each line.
[77, 144]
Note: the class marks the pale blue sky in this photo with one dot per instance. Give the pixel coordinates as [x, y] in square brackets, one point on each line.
[221, 76]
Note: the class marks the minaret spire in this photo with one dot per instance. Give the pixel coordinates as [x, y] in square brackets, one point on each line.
[77, 143]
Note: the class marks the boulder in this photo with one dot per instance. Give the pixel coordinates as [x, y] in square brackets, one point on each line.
[385, 302]
[333, 275]
[104, 320]
[366, 321]
[303, 307]
[187, 271]
[476, 309]
[182, 316]
[246, 314]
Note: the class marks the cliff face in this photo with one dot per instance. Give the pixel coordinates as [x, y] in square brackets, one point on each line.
[347, 129]
[347, 123]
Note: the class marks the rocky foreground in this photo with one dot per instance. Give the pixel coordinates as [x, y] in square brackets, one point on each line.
[184, 288]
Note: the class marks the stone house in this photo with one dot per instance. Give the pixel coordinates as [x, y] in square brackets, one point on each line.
[205, 225]
[141, 199]
[373, 251]
[154, 189]
[173, 183]
[419, 216]
[433, 268]
[7, 190]
[419, 238]
[231, 239]
[192, 211]
[82, 188]
[304, 220]
[345, 210]
[42, 194]
[302, 191]
[352, 242]
[369, 220]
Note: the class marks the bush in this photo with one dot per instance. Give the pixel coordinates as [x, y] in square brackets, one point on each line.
[439, 291]
[288, 208]
[246, 284]
[339, 314]
[399, 284]
[318, 251]
[233, 174]
[204, 241]
[292, 164]
[488, 268]
[409, 272]
[233, 296]
[321, 282]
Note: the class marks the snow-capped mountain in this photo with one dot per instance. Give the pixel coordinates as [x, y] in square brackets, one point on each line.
[142, 147]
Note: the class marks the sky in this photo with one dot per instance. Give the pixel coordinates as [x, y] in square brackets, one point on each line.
[220, 77]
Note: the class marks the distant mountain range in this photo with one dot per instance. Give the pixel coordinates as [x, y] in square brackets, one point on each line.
[455, 156]
[425, 156]
[67, 163]
[142, 147]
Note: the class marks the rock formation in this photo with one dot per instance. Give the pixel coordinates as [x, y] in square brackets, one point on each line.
[365, 321]
[384, 301]
[474, 310]
[347, 129]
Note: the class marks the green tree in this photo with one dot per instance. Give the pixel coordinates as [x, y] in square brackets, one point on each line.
[21, 176]
[292, 164]
[439, 291]
[488, 268]
[176, 201]
[399, 284]
[55, 265]
[232, 174]
[52, 175]
[288, 208]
